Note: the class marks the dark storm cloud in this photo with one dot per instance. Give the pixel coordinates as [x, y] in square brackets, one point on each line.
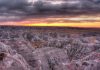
[13, 9]
[68, 6]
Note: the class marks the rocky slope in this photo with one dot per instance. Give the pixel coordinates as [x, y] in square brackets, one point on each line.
[27, 48]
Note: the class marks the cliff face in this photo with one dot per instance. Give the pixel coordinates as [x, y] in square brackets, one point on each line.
[49, 49]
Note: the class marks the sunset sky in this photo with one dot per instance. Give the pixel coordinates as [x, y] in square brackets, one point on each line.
[69, 13]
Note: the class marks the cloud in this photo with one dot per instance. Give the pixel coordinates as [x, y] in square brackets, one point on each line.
[67, 6]
[14, 9]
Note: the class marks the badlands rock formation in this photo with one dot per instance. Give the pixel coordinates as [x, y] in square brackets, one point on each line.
[23, 48]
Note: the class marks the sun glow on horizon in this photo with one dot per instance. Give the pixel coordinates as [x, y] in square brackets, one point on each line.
[81, 21]
[81, 25]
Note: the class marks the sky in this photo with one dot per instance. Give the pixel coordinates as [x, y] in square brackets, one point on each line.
[19, 12]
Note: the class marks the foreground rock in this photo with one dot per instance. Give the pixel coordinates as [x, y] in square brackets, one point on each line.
[10, 60]
[46, 58]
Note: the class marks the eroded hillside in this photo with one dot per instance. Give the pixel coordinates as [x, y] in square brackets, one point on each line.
[39, 48]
